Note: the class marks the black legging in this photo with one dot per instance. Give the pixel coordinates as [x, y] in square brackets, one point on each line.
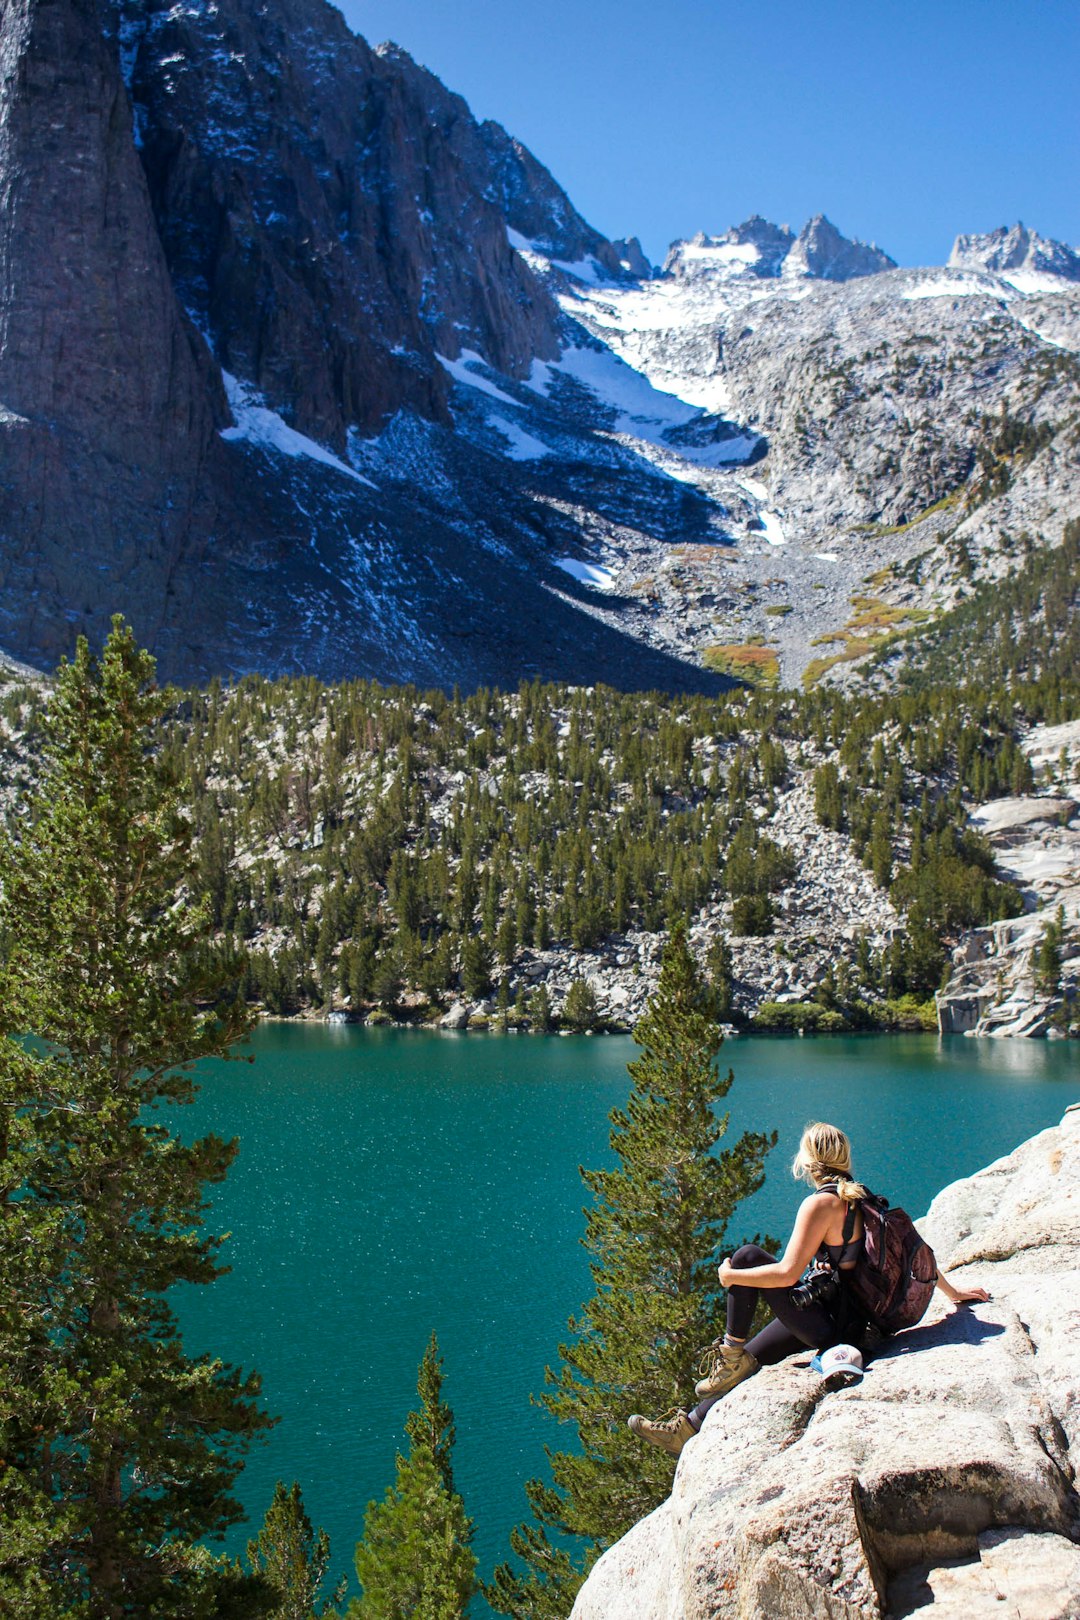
[790, 1331]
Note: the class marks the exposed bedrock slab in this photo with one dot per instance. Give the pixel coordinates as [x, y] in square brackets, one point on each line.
[947, 1471]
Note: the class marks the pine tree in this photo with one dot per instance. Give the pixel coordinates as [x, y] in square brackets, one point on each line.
[580, 1009]
[1048, 956]
[119, 1450]
[720, 973]
[416, 1561]
[540, 1009]
[657, 1225]
[292, 1557]
[432, 1428]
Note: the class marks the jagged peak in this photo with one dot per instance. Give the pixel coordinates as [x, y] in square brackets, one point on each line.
[762, 249]
[1012, 248]
[822, 251]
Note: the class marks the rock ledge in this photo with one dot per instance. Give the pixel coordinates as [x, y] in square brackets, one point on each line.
[942, 1483]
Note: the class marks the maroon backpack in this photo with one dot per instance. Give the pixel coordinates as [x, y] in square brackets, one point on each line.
[895, 1274]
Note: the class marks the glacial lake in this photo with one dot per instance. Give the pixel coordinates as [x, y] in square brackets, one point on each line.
[394, 1181]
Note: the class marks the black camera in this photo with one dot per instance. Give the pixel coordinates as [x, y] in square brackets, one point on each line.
[819, 1286]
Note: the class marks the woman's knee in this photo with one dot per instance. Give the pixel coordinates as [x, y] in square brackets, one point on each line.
[751, 1254]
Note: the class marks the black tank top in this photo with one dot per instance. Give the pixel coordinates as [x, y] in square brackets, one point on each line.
[845, 1253]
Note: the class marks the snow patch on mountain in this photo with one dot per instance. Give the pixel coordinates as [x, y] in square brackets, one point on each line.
[639, 406]
[255, 423]
[774, 529]
[522, 446]
[587, 573]
[463, 371]
[950, 288]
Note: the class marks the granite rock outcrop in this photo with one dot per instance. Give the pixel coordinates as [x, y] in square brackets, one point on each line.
[943, 1484]
[996, 987]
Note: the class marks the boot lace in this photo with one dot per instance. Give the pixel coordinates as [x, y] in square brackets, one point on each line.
[711, 1358]
[671, 1420]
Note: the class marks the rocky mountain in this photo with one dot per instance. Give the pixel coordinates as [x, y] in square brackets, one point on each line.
[1015, 248]
[303, 368]
[940, 1485]
[237, 243]
[914, 430]
[761, 250]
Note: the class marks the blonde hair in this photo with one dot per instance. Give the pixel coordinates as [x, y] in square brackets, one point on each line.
[825, 1155]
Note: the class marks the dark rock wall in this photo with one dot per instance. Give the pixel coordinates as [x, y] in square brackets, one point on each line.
[330, 214]
[250, 187]
[109, 402]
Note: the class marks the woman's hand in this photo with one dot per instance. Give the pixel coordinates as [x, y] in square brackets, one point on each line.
[970, 1296]
[726, 1273]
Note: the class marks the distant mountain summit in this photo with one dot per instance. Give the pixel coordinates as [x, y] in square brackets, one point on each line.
[1014, 247]
[822, 252]
[757, 248]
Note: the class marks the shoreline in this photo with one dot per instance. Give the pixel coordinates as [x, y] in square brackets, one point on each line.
[491, 1027]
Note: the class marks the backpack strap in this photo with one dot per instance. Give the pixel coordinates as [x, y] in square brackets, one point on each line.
[849, 1224]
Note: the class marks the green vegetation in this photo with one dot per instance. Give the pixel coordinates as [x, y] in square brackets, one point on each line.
[292, 1558]
[119, 1450]
[844, 1011]
[656, 1226]
[415, 1561]
[1006, 444]
[580, 1012]
[800, 1016]
[878, 529]
[1021, 633]
[386, 850]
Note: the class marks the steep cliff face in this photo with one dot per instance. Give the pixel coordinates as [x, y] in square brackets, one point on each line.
[332, 216]
[240, 252]
[998, 986]
[943, 1485]
[109, 404]
[821, 251]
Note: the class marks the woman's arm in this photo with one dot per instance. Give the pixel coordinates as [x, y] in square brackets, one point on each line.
[811, 1224]
[960, 1296]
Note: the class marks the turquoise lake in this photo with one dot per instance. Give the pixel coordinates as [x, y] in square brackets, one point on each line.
[391, 1181]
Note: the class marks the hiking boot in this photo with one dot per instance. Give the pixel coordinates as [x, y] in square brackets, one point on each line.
[670, 1434]
[724, 1366]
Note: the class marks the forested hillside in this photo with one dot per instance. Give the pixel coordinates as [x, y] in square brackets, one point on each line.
[385, 851]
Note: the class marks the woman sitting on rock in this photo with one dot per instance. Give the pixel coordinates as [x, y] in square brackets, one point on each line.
[811, 1315]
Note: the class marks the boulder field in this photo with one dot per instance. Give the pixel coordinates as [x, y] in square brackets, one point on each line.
[941, 1485]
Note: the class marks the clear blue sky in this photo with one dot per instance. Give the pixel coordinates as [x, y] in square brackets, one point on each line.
[904, 122]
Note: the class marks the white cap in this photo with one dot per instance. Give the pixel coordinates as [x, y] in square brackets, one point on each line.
[841, 1358]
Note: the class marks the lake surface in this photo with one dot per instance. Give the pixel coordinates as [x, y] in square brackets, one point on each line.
[393, 1181]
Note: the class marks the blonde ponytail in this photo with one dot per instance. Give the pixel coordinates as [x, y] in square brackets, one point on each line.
[825, 1156]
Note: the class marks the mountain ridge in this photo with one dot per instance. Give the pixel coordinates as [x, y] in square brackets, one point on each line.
[420, 420]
